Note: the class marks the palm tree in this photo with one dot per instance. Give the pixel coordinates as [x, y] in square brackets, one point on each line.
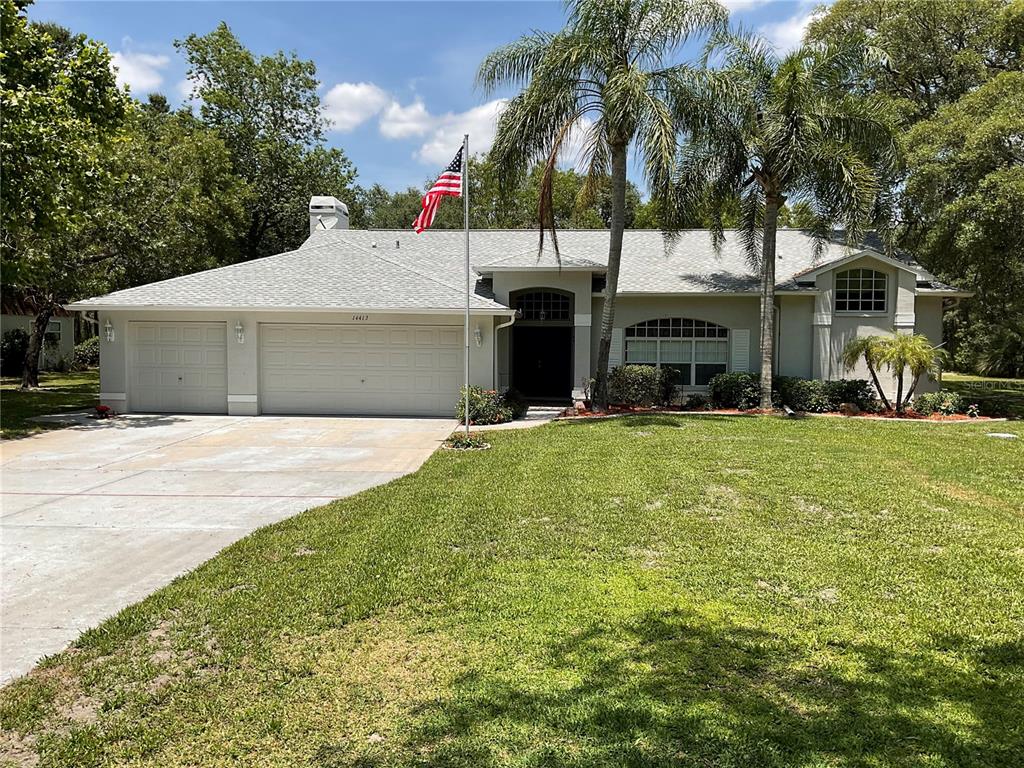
[607, 74]
[904, 351]
[899, 353]
[871, 349]
[766, 129]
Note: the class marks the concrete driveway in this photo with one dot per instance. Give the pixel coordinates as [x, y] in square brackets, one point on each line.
[99, 515]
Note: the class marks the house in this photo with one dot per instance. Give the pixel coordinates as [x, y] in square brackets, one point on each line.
[17, 311]
[371, 322]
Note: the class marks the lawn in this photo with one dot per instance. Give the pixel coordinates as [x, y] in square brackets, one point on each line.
[644, 591]
[1003, 397]
[58, 393]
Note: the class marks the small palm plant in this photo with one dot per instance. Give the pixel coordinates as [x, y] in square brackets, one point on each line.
[870, 348]
[609, 73]
[899, 353]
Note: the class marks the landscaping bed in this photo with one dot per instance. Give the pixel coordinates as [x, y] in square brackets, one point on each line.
[651, 590]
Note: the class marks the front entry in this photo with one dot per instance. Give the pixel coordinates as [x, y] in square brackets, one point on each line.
[542, 361]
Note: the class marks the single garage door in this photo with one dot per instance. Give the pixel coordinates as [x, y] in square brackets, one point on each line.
[393, 370]
[177, 368]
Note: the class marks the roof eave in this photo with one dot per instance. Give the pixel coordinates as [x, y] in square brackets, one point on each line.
[89, 305]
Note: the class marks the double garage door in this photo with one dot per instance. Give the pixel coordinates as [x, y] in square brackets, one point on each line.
[303, 368]
[354, 369]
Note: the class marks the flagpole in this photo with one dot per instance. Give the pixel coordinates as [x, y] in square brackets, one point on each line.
[465, 204]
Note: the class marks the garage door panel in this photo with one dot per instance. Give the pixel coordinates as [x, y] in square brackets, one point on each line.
[374, 370]
[177, 367]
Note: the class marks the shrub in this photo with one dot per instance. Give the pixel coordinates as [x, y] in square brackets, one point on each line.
[815, 396]
[697, 402]
[514, 400]
[486, 406]
[474, 441]
[86, 354]
[636, 385]
[943, 402]
[671, 380]
[13, 347]
[735, 390]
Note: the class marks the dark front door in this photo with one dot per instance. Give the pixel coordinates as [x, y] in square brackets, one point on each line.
[542, 361]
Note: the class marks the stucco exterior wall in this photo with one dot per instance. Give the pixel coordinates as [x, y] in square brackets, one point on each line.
[51, 356]
[733, 312]
[928, 315]
[905, 312]
[795, 336]
[243, 358]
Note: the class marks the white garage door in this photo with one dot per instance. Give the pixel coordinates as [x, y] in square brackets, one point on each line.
[398, 370]
[177, 368]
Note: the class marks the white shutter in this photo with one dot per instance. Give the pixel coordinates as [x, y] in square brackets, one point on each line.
[740, 339]
[615, 353]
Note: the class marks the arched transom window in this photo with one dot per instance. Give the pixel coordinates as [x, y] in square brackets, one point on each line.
[696, 349]
[548, 306]
[860, 290]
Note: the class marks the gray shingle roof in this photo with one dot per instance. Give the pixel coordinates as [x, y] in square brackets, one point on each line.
[398, 269]
[320, 275]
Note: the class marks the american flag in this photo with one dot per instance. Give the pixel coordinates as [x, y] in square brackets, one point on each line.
[448, 183]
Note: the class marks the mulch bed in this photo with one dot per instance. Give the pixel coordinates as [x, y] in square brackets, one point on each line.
[623, 410]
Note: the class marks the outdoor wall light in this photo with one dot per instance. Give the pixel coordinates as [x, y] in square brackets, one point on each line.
[108, 330]
[240, 332]
[478, 336]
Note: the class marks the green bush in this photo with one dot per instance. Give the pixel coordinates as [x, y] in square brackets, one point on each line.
[735, 390]
[815, 396]
[474, 441]
[697, 402]
[515, 401]
[944, 402]
[635, 385]
[486, 406]
[86, 354]
[13, 347]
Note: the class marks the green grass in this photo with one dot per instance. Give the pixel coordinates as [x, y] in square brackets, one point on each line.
[644, 591]
[58, 393]
[997, 397]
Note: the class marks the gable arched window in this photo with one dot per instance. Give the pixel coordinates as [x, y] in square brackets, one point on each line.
[696, 349]
[861, 290]
[547, 306]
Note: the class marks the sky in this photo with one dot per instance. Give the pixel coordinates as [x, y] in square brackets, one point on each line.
[397, 78]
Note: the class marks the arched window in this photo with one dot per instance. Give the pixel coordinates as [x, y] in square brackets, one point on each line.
[861, 290]
[696, 349]
[546, 306]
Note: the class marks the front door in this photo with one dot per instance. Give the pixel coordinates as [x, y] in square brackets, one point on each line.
[542, 361]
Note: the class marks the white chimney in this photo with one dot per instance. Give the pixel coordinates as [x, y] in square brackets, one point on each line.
[327, 212]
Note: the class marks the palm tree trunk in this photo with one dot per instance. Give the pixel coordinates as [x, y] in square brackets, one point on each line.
[913, 386]
[772, 204]
[878, 386]
[899, 391]
[618, 224]
[30, 374]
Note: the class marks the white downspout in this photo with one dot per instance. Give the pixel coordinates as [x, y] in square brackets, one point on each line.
[494, 346]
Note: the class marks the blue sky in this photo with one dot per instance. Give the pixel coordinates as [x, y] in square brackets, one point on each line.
[397, 77]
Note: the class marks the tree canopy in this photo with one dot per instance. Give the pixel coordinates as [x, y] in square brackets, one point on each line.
[267, 110]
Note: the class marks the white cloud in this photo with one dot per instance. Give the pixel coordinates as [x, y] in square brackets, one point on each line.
[788, 34]
[743, 5]
[479, 122]
[398, 122]
[139, 71]
[349, 105]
